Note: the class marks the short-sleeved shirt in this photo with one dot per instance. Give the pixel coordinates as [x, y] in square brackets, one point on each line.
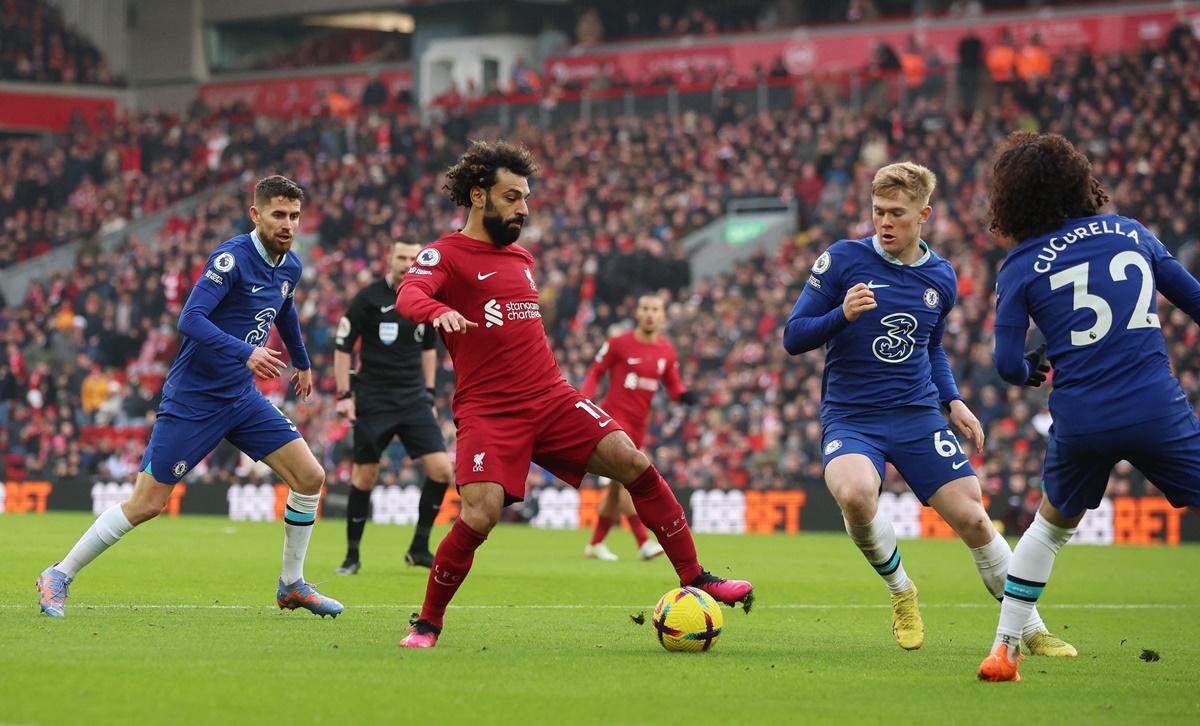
[392, 345]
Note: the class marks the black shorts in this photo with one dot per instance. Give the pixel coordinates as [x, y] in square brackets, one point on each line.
[377, 421]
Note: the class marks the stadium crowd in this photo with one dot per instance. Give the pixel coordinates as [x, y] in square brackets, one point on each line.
[85, 352]
[37, 45]
[643, 19]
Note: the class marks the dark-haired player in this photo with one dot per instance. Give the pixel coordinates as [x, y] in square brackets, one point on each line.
[209, 394]
[878, 306]
[392, 397]
[512, 405]
[1088, 280]
[637, 363]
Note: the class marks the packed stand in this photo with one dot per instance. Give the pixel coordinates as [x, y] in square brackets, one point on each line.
[95, 180]
[339, 47]
[609, 211]
[601, 22]
[36, 45]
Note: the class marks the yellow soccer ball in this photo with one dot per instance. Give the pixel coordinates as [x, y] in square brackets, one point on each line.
[687, 620]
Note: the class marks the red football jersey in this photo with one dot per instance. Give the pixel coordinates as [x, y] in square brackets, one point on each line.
[505, 364]
[635, 370]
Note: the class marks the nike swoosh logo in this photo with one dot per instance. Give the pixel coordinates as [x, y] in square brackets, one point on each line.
[387, 309]
[958, 466]
[872, 285]
[602, 425]
[256, 288]
[672, 534]
[482, 276]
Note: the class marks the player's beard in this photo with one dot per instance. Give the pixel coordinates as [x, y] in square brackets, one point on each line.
[502, 231]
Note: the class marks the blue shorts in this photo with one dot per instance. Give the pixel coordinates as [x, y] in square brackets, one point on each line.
[916, 439]
[182, 435]
[1166, 450]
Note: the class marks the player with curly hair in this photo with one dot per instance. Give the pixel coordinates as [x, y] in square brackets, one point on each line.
[1087, 279]
[512, 404]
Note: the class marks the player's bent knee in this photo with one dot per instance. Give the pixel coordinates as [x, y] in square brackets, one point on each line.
[632, 463]
[857, 500]
[138, 511]
[310, 480]
[481, 518]
[977, 526]
[440, 470]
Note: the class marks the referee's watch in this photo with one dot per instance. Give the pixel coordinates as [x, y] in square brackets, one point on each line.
[344, 395]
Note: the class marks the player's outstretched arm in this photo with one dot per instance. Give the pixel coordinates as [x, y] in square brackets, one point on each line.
[419, 306]
[815, 319]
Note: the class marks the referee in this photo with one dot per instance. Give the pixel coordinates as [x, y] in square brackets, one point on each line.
[392, 396]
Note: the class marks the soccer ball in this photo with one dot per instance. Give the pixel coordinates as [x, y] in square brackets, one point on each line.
[687, 620]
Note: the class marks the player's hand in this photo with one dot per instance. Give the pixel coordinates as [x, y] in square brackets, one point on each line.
[1038, 366]
[966, 423]
[266, 363]
[302, 380]
[452, 321]
[859, 299]
[345, 409]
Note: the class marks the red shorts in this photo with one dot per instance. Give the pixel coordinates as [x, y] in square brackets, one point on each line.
[636, 433]
[559, 433]
[636, 430]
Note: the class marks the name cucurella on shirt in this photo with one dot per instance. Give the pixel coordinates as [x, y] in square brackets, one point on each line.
[1049, 253]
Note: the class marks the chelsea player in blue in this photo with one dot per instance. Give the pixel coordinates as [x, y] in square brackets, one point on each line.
[879, 307]
[1088, 280]
[248, 285]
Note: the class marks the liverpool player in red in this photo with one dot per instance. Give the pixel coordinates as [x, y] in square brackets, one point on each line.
[512, 405]
[637, 362]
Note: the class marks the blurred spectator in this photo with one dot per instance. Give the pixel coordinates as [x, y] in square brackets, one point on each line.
[589, 30]
[1001, 59]
[1033, 62]
[36, 45]
[970, 70]
[375, 93]
[912, 63]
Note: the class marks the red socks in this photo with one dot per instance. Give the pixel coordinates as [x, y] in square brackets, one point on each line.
[639, 529]
[657, 506]
[450, 567]
[603, 524]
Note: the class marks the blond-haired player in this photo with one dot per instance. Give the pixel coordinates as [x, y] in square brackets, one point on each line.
[878, 305]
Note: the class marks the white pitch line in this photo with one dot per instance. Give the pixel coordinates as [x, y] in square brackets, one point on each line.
[779, 606]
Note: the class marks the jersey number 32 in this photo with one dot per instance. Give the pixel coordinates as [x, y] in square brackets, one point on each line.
[1077, 278]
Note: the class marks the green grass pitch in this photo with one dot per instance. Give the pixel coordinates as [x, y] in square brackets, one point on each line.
[177, 625]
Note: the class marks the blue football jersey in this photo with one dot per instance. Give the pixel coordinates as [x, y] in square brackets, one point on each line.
[242, 294]
[1090, 289]
[882, 360]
